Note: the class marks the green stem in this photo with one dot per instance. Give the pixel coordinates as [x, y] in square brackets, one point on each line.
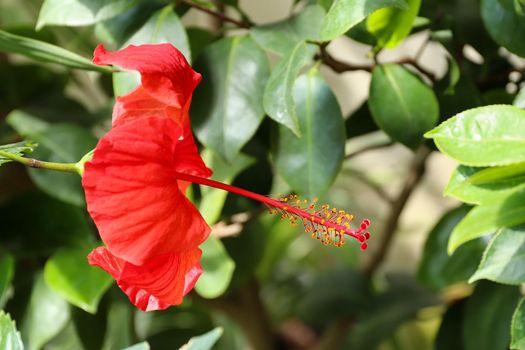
[34, 163]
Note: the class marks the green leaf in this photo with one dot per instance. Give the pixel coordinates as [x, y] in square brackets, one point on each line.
[63, 143]
[213, 199]
[437, 269]
[217, 268]
[488, 218]
[44, 52]
[517, 329]
[484, 136]
[140, 346]
[46, 315]
[503, 260]
[278, 94]
[279, 37]
[19, 149]
[79, 12]
[68, 273]
[344, 14]
[205, 341]
[391, 25]
[503, 173]
[199, 39]
[402, 105]
[465, 185]
[504, 24]
[25, 123]
[451, 327]
[235, 72]
[309, 164]
[7, 271]
[163, 27]
[9, 336]
[489, 311]
[119, 333]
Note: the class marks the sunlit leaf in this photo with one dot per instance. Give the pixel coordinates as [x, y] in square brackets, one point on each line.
[217, 267]
[518, 327]
[484, 136]
[278, 95]
[9, 336]
[79, 12]
[68, 273]
[203, 342]
[344, 14]
[45, 52]
[503, 260]
[391, 25]
[488, 218]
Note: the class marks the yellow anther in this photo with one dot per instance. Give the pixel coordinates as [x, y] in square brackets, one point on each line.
[323, 221]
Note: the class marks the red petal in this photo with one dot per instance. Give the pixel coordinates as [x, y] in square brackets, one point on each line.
[133, 195]
[166, 75]
[159, 283]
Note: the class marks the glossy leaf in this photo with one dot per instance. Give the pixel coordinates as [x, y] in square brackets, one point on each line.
[231, 108]
[402, 105]
[437, 269]
[278, 95]
[7, 270]
[79, 12]
[518, 327]
[489, 311]
[213, 199]
[495, 174]
[391, 25]
[68, 274]
[9, 336]
[46, 315]
[205, 341]
[465, 185]
[163, 27]
[65, 143]
[217, 268]
[484, 136]
[451, 327]
[140, 346]
[19, 149]
[309, 164]
[344, 14]
[119, 333]
[44, 52]
[279, 37]
[503, 260]
[504, 24]
[488, 218]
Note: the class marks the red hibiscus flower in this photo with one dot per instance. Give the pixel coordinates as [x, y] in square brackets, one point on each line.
[136, 180]
[151, 230]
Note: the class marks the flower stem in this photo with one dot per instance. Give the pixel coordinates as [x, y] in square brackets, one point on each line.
[34, 163]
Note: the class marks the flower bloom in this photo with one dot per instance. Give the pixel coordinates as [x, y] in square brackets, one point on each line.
[136, 180]
[150, 229]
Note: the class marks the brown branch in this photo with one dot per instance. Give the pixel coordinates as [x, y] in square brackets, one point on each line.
[221, 16]
[340, 67]
[415, 174]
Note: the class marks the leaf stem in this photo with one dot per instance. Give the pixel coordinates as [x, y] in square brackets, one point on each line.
[34, 163]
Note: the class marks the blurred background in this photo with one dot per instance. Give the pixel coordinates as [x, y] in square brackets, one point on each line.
[266, 284]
